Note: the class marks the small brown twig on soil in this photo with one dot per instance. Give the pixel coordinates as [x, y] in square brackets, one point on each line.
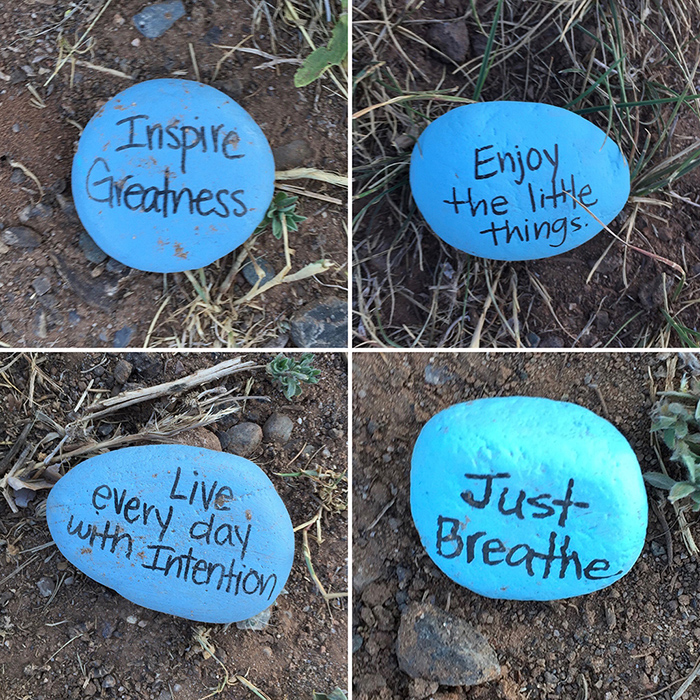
[327, 597]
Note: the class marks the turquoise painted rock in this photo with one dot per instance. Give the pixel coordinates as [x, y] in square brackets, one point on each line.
[182, 530]
[514, 180]
[527, 498]
[171, 175]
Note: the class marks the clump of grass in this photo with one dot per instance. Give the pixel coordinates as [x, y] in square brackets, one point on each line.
[627, 72]
[291, 374]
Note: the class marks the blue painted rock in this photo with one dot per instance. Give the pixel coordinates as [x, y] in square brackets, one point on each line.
[514, 180]
[171, 175]
[183, 530]
[527, 498]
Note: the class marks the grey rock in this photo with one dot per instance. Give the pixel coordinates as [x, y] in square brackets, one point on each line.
[438, 646]
[17, 176]
[437, 376]
[41, 285]
[251, 275]
[21, 237]
[109, 681]
[91, 250]
[278, 428]
[7, 327]
[321, 324]
[46, 586]
[295, 154]
[232, 87]
[123, 336]
[154, 20]
[17, 75]
[23, 497]
[122, 371]
[357, 642]
[116, 268]
[451, 38]
[35, 211]
[244, 439]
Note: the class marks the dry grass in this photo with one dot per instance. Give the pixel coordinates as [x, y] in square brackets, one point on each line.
[631, 68]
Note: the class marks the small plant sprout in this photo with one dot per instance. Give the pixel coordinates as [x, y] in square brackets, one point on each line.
[676, 416]
[281, 208]
[291, 373]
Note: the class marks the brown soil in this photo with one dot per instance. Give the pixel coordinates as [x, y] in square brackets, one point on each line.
[413, 290]
[88, 303]
[67, 646]
[637, 637]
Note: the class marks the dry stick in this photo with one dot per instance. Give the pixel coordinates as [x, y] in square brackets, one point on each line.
[688, 682]
[129, 398]
[77, 44]
[14, 450]
[653, 256]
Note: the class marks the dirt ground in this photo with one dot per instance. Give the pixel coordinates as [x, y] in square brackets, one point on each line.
[413, 290]
[636, 639]
[79, 303]
[84, 640]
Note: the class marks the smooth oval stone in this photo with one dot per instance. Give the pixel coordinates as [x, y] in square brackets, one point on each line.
[527, 498]
[492, 179]
[183, 530]
[171, 175]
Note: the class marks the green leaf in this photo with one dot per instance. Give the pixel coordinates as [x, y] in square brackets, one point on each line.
[669, 437]
[659, 480]
[681, 490]
[322, 58]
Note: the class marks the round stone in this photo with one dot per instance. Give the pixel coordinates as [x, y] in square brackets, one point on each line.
[171, 175]
[517, 180]
[183, 530]
[527, 498]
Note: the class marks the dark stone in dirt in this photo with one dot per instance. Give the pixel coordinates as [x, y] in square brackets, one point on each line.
[35, 211]
[278, 428]
[21, 237]
[244, 439]
[41, 285]
[122, 371]
[46, 586]
[251, 275]
[533, 340]
[232, 87]
[123, 336]
[154, 20]
[95, 293]
[107, 629]
[116, 268]
[296, 154]
[6, 327]
[551, 341]
[17, 75]
[321, 324]
[91, 250]
[438, 646]
[213, 35]
[451, 38]
[147, 365]
[17, 176]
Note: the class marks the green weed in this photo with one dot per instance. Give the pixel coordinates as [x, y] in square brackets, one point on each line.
[291, 373]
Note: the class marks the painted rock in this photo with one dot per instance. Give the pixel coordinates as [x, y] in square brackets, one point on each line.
[171, 175]
[527, 498]
[183, 530]
[517, 180]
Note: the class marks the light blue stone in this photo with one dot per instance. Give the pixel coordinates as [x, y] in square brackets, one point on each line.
[183, 530]
[504, 491]
[490, 179]
[171, 175]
